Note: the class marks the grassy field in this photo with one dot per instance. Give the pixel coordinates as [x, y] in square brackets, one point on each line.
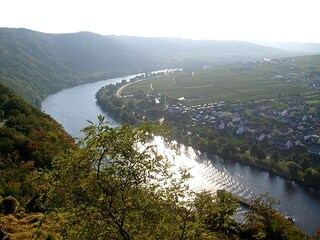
[235, 83]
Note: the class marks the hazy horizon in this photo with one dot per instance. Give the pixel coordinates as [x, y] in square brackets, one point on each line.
[246, 20]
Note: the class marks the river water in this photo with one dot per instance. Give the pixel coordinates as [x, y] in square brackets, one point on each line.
[73, 107]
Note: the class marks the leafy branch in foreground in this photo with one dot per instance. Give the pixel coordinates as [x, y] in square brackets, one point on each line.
[116, 185]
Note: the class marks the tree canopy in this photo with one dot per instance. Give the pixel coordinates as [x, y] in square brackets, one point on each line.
[29, 140]
[117, 186]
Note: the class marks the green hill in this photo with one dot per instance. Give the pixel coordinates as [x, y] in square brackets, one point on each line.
[36, 64]
[29, 140]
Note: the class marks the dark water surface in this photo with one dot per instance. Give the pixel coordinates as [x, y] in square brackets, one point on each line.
[73, 107]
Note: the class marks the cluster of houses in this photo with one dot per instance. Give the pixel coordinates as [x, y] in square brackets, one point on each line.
[310, 77]
[288, 128]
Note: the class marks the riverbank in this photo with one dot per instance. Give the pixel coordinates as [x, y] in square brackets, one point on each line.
[272, 171]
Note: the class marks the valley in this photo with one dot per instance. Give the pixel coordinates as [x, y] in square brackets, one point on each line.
[234, 101]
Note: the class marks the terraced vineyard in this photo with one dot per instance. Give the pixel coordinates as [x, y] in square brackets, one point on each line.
[242, 82]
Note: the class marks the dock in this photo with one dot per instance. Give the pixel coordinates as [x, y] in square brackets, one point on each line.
[243, 201]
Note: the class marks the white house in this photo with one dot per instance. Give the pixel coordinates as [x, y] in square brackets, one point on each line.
[240, 130]
[288, 145]
[236, 119]
[221, 126]
[230, 125]
[304, 118]
[261, 137]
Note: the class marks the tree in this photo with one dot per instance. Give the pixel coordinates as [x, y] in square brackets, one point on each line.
[295, 157]
[257, 152]
[294, 169]
[228, 150]
[263, 222]
[116, 186]
[213, 146]
[215, 213]
[312, 177]
[203, 144]
[275, 157]
[1, 114]
[244, 148]
[305, 162]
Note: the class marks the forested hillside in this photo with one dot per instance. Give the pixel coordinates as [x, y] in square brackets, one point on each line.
[29, 140]
[36, 64]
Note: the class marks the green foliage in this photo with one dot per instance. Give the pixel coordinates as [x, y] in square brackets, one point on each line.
[305, 162]
[244, 148]
[216, 213]
[257, 152]
[36, 64]
[275, 157]
[265, 223]
[116, 186]
[9, 205]
[293, 169]
[29, 140]
[312, 176]
[228, 150]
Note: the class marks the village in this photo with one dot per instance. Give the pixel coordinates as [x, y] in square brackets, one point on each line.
[291, 126]
[277, 132]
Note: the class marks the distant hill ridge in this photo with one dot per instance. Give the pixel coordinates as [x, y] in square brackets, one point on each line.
[37, 64]
[295, 46]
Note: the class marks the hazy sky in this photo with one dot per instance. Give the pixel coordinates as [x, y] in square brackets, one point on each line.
[271, 20]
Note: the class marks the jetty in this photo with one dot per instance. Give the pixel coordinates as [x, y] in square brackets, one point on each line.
[243, 201]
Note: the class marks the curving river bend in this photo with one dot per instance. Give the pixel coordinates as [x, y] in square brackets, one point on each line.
[73, 107]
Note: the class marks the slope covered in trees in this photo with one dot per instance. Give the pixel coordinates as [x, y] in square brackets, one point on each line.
[29, 140]
[36, 64]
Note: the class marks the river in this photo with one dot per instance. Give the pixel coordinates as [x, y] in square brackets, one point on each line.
[74, 106]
